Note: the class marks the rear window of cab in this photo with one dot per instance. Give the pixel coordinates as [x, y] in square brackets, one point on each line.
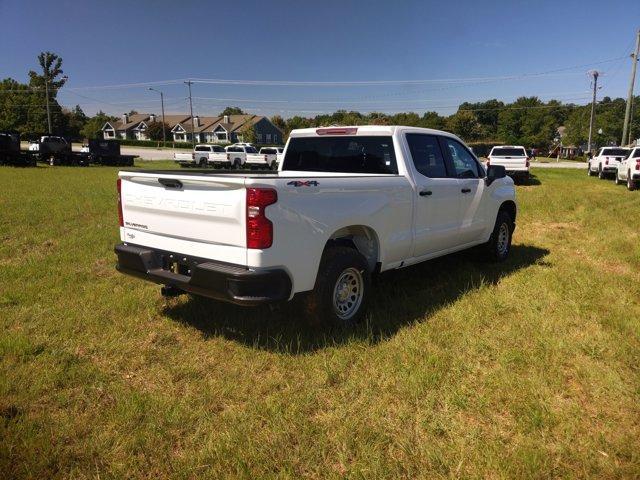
[348, 154]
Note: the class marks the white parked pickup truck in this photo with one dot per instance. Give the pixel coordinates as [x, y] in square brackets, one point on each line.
[201, 156]
[513, 158]
[237, 154]
[345, 203]
[629, 169]
[605, 163]
[267, 157]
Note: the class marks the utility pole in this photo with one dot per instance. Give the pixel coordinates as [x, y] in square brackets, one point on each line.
[46, 89]
[627, 112]
[164, 134]
[595, 75]
[193, 128]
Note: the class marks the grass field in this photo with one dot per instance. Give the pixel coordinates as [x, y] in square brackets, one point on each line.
[529, 369]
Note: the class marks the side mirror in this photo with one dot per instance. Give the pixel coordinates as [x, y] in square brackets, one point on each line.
[494, 172]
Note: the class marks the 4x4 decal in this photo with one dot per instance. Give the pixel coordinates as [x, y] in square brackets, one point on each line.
[306, 183]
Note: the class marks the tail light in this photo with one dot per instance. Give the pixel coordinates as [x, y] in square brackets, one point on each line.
[337, 131]
[228, 156]
[637, 164]
[606, 162]
[193, 156]
[528, 163]
[119, 187]
[259, 227]
[488, 162]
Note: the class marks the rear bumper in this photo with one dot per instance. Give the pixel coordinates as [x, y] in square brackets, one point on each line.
[221, 281]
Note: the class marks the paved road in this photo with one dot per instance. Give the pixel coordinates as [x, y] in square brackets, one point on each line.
[145, 153]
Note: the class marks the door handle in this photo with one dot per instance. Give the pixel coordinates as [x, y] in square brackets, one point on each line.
[425, 193]
[465, 190]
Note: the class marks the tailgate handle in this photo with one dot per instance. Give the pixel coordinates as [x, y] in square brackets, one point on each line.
[170, 182]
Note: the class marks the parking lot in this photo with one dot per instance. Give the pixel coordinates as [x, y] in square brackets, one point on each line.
[527, 368]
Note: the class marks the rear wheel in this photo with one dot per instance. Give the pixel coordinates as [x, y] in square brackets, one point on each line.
[342, 288]
[499, 245]
[631, 183]
[601, 174]
[618, 180]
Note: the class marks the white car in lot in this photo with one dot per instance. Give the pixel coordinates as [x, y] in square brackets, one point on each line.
[605, 163]
[346, 202]
[513, 158]
[629, 169]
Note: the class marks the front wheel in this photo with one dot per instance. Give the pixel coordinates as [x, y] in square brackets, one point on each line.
[342, 288]
[499, 245]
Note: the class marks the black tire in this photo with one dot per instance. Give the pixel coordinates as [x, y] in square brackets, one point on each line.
[617, 179]
[589, 172]
[348, 267]
[601, 174]
[496, 250]
[631, 184]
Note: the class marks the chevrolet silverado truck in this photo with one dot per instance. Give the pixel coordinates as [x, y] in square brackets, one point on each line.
[513, 158]
[629, 170]
[237, 154]
[605, 163]
[267, 157]
[201, 156]
[344, 204]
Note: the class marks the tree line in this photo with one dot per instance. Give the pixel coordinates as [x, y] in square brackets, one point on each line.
[527, 121]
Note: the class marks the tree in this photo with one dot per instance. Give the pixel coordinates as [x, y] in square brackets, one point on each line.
[432, 120]
[465, 124]
[232, 111]
[249, 134]
[279, 122]
[154, 130]
[51, 76]
[93, 127]
[75, 120]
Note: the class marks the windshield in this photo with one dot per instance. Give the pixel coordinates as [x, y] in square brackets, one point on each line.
[359, 154]
[615, 152]
[508, 152]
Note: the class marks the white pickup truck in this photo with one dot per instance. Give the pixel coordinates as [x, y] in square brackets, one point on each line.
[201, 156]
[629, 169]
[513, 158]
[605, 163]
[237, 154]
[267, 157]
[345, 203]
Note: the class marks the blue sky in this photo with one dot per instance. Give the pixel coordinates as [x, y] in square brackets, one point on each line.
[446, 44]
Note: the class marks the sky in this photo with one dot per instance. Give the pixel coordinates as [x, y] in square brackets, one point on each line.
[424, 56]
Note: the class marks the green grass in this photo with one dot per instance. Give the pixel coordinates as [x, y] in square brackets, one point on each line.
[527, 369]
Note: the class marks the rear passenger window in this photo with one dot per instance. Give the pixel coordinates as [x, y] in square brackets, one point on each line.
[426, 154]
[463, 162]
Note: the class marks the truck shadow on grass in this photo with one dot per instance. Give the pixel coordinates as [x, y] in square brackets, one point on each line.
[398, 298]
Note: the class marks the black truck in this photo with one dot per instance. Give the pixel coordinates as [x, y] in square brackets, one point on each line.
[10, 153]
[107, 152]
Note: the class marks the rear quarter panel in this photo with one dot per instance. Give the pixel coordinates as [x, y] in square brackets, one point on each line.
[305, 218]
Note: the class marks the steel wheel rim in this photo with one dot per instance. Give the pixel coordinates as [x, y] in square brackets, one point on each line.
[348, 293]
[503, 239]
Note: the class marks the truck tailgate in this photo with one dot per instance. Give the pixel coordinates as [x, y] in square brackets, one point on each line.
[189, 214]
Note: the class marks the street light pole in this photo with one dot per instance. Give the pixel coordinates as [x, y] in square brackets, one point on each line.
[193, 128]
[164, 134]
[595, 74]
[46, 89]
[627, 113]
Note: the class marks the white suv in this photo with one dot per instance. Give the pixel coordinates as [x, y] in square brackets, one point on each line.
[629, 169]
[605, 163]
